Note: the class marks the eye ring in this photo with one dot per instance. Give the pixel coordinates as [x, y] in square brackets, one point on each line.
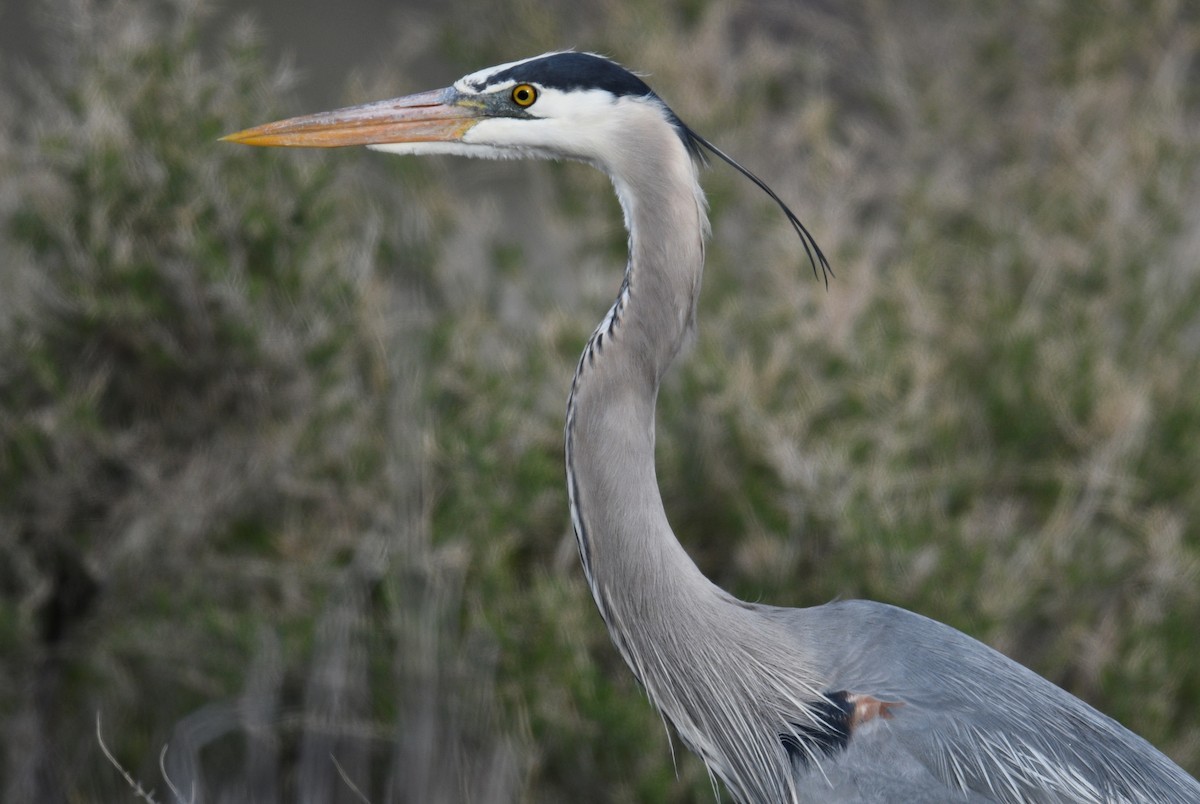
[524, 95]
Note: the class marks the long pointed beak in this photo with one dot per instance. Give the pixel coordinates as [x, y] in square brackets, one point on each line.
[441, 115]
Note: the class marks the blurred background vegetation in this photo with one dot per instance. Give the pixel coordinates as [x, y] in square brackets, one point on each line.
[280, 432]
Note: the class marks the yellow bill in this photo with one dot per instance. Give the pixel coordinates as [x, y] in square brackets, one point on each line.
[440, 115]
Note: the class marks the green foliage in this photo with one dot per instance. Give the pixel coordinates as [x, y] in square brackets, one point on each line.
[283, 429]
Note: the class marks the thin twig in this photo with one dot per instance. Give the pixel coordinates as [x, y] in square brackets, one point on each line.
[346, 779]
[137, 787]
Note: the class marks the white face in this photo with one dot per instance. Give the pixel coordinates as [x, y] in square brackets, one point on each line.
[591, 125]
[526, 119]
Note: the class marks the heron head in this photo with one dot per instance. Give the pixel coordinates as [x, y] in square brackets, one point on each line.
[558, 105]
[555, 106]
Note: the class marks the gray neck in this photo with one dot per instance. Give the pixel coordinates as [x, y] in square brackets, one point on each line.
[626, 544]
[702, 656]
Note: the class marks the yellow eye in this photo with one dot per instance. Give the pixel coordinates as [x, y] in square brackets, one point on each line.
[524, 95]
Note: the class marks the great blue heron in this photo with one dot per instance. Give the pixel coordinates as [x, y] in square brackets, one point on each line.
[849, 701]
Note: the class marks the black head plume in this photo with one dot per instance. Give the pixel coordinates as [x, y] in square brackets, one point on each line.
[815, 256]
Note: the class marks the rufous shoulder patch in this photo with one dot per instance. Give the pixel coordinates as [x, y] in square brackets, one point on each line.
[867, 708]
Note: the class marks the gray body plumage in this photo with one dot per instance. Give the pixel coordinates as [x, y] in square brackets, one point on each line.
[847, 702]
[975, 726]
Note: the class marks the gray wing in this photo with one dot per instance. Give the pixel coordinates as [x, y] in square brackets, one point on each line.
[963, 722]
